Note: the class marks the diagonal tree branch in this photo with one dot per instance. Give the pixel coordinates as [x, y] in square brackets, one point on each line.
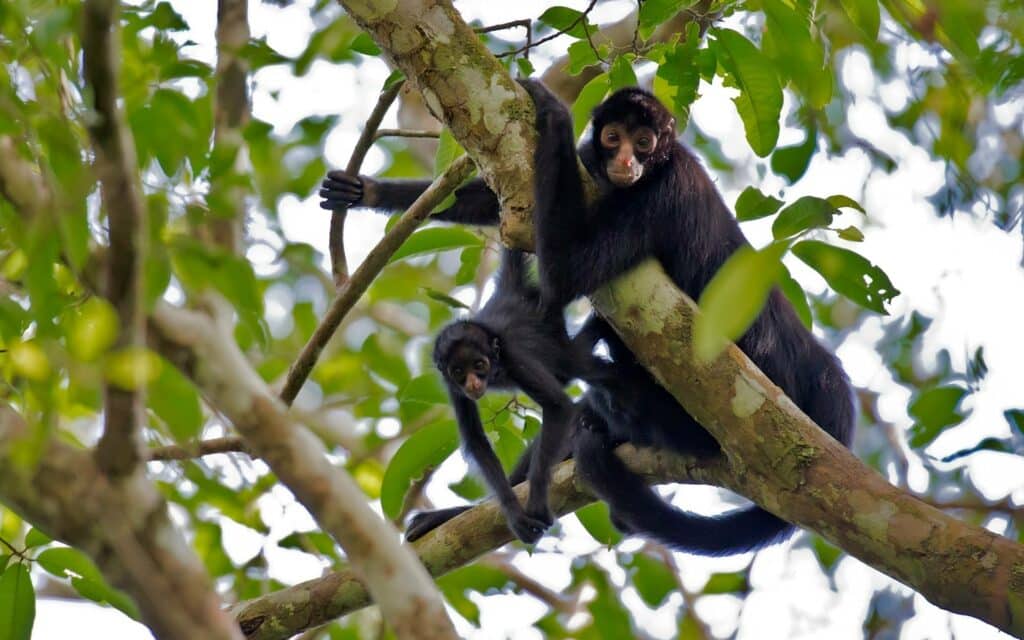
[119, 451]
[70, 498]
[459, 541]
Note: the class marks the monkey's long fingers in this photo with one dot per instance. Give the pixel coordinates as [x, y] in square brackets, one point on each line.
[337, 193]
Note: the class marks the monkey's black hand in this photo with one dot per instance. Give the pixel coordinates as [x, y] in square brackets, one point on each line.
[342, 190]
[526, 527]
[552, 114]
[424, 522]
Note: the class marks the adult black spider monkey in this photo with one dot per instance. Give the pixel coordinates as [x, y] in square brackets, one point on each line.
[655, 201]
[515, 341]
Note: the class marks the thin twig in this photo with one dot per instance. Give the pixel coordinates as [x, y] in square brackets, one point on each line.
[336, 239]
[228, 444]
[120, 447]
[354, 287]
[405, 133]
[529, 45]
[556, 601]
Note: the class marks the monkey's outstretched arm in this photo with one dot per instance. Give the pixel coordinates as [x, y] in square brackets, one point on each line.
[475, 203]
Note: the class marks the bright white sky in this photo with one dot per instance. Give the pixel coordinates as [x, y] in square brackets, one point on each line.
[963, 271]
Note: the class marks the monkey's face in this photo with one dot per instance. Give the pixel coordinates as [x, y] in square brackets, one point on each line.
[625, 151]
[470, 370]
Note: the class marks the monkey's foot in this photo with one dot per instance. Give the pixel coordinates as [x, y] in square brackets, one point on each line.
[424, 522]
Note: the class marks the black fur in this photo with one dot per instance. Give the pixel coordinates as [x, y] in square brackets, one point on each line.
[520, 343]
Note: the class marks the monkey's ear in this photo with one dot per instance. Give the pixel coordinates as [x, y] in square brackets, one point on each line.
[495, 345]
[671, 124]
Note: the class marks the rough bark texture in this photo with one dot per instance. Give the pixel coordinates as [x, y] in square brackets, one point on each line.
[777, 456]
[68, 497]
[400, 585]
[454, 544]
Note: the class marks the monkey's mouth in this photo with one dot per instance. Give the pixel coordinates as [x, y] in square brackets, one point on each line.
[475, 394]
[625, 178]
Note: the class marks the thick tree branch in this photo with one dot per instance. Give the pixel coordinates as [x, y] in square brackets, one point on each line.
[68, 497]
[119, 451]
[457, 542]
[777, 456]
[400, 585]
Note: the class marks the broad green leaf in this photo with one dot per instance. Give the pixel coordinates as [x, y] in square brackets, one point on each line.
[304, 540]
[426, 389]
[998, 445]
[793, 161]
[447, 150]
[421, 452]
[933, 411]
[826, 552]
[653, 580]
[596, 520]
[796, 296]
[29, 361]
[752, 204]
[132, 367]
[17, 603]
[365, 45]
[760, 101]
[655, 12]
[590, 96]
[469, 262]
[581, 56]
[727, 583]
[101, 592]
[621, 73]
[36, 538]
[797, 52]
[444, 298]
[64, 561]
[434, 240]
[567, 20]
[734, 297]
[92, 329]
[865, 14]
[678, 75]
[807, 212]
[480, 578]
[175, 400]
[841, 201]
[851, 234]
[849, 274]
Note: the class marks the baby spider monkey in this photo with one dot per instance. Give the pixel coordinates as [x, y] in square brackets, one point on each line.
[516, 341]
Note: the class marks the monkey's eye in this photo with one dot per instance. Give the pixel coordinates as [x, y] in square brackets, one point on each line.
[644, 144]
[610, 137]
[479, 365]
[457, 372]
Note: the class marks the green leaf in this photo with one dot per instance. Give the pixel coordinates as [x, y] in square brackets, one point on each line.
[796, 296]
[841, 201]
[425, 389]
[103, 593]
[678, 76]
[865, 14]
[826, 553]
[525, 67]
[798, 55]
[64, 561]
[36, 538]
[933, 411]
[421, 452]
[655, 12]
[807, 212]
[17, 603]
[653, 580]
[793, 161]
[581, 56]
[92, 329]
[852, 234]
[760, 101]
[727, 583]
[365, 45]
[734, 297]
[469, 262]
[480, 578]
[621, 73]
[447, 150]
[567, 20]
[752, 204]
[591, 95]
[1016, 419]
[434, 240]
[596, 520]
[175, 400]
[849, 274]
[304, 540]
[998, 445]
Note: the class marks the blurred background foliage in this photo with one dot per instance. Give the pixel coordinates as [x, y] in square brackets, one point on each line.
[946, 78]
